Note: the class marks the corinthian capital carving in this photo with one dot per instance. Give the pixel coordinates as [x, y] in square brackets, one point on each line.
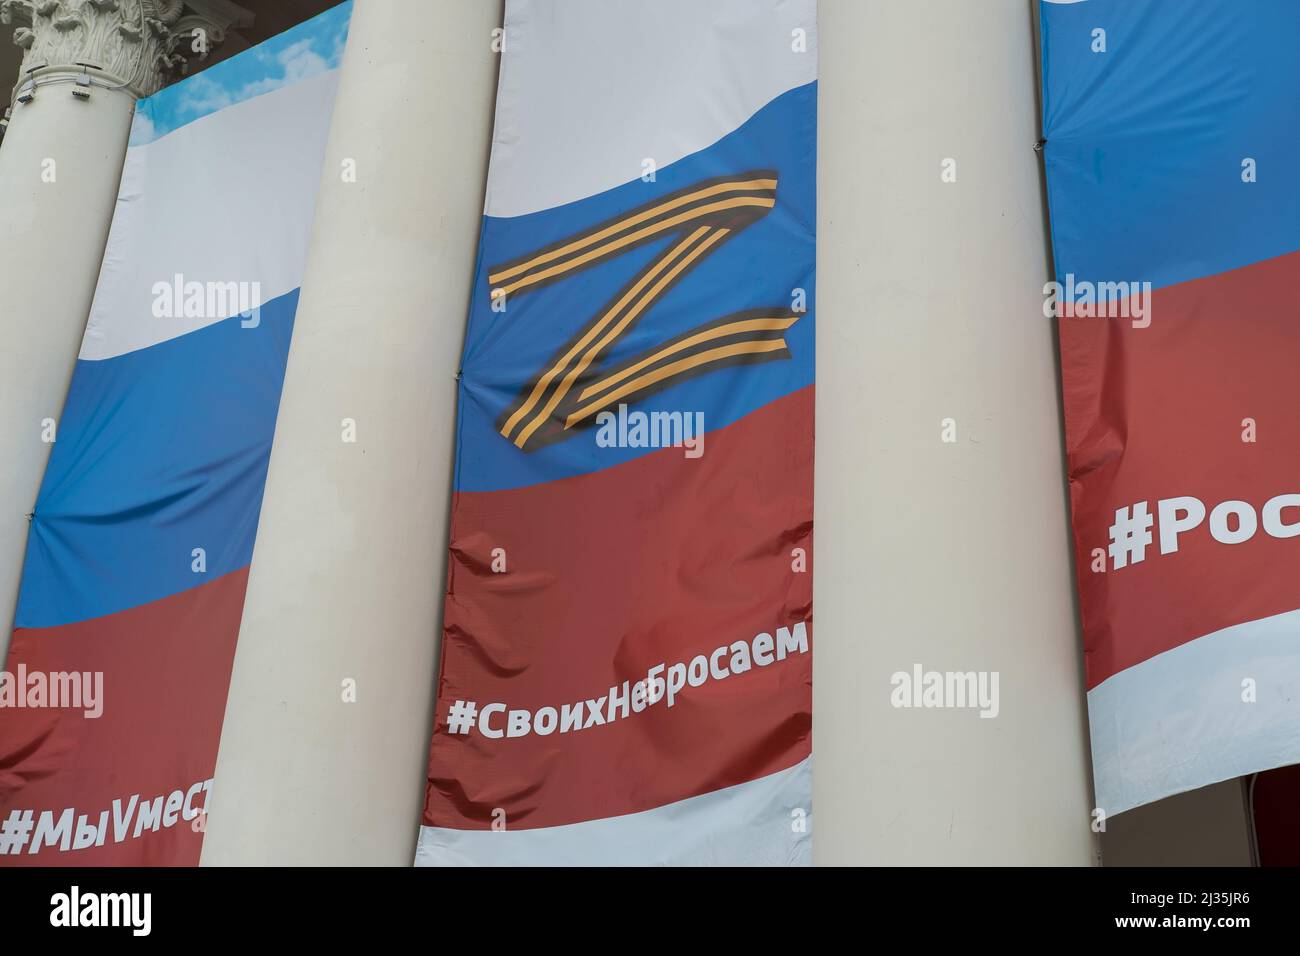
[141, 44]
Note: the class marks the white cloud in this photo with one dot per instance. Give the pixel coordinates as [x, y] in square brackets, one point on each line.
[220, 87]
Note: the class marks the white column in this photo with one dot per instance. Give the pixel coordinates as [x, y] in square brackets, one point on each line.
[954, 556]
[60, 164]
[348, 571]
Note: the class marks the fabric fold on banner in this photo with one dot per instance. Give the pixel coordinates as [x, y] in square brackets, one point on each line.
[1175, 227]
[114, 691]
[626, 659]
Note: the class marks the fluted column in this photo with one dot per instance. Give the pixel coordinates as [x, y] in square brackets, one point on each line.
[85, 63]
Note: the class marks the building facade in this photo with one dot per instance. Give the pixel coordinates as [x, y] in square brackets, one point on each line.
[932, 554]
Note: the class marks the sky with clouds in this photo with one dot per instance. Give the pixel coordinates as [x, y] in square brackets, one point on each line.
[309, 49]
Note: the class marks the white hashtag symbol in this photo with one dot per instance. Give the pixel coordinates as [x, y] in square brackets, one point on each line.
[16, 831]
[1130, 534]
[460, 719]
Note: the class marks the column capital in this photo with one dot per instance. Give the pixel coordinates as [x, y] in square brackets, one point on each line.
[139, 45]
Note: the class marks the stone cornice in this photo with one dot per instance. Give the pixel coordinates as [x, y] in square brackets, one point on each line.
[140, 45]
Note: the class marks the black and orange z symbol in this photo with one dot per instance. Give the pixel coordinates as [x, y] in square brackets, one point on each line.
[574, 386]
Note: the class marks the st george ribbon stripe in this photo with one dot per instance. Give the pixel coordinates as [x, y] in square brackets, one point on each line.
[552, 388]
[687, 345]
[142, 538]
[1175, 231]
[555, 384]
[626, 663]
[651, 221]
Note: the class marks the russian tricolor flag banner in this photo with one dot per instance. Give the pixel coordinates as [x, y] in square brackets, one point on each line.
[1170, 149]
[143, 531]
[626, 661]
